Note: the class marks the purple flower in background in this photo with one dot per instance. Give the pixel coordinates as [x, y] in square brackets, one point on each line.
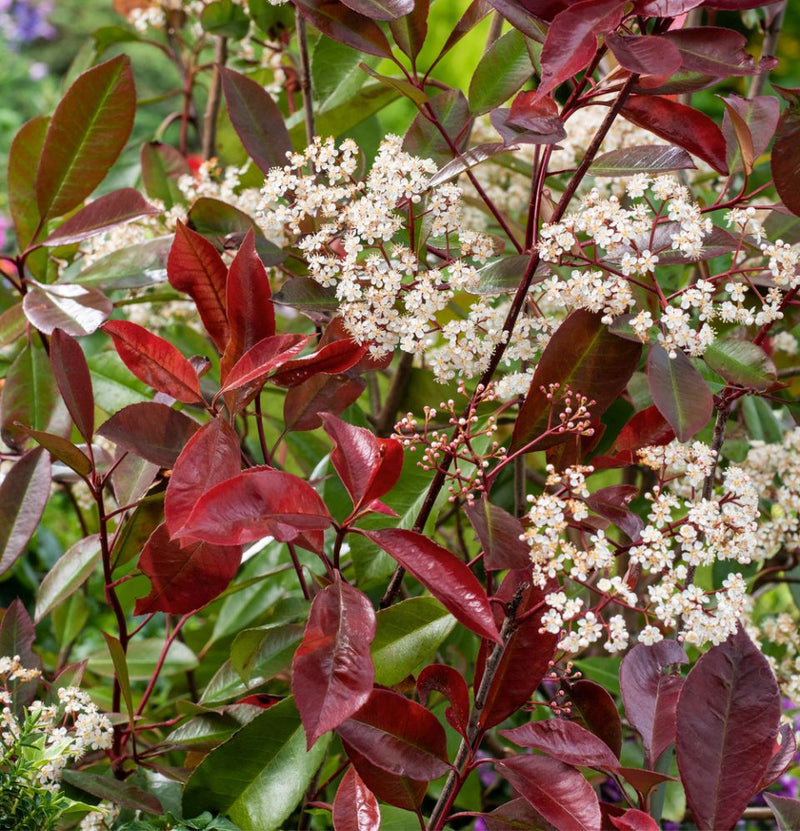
[670, 826]
[24, 21]
[610, 790]
[480, 825]
[486, 774]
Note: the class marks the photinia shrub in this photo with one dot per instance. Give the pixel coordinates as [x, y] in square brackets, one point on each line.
[405, 432]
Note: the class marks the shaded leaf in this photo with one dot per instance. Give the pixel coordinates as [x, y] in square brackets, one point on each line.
[381, 9]
[339, 22]
[23, 161]
[451, 109]
[499, 534]
[714, 50]
[564, 740]
[308, 296]
[648, 158]
[785, 159]
[69, 573]
[322, 393]
[136, 266]
[785, 810]
[593, 707]
[782, 758]
[612, 504]
[162, 165]
[74, 381]
[354, 806]
[634, 820]
[451, 684]
[76, 309]
[125, 794]
[645, 54]
[61, 449]
[400, 791]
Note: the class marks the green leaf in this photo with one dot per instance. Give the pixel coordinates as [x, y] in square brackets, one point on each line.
[760, 420]
[125, 794]
[423, 139]
[225, 19]
[208, 730]
[116, 665]
[259, 654]
[504, 68]
[741, 362]
[70, 572]
[129, 268]
[407, 637]
[114, 387]
[86, 135]
[403, 86]
[604, 671]
[142, 657]
[23, 161]
[13, 324]
[335, 72]
[260, 774]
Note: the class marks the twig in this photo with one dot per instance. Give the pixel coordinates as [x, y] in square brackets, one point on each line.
[385, 420]
[214, 97]
[768, 49]
[305, 76]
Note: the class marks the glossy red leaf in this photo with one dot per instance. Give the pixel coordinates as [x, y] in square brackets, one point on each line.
[611, 503]
[195, 267]
[155, 361]
[330, 358]
[451, 684]
[727, 718]
[115, 208]
[445, 576]
[499, 535]
[679, 391]
[354, 806]
[634, 820]
[584, 355]
[785, 159]
[398, 736]
[782, 757]
[183, 579]
[332, 671]
[713, 50]
[23, 495]
[399, 791]
[73, 380]
[87, 132]
[261, 359]
[557, 791]
[649, 695]
[257, 120]
[337, 21]
[409, 31]
[681, 125]
[529, 121]
[257, 503]
[78, 310]
[645, 54]
[251, 315]
[647, 427]
[211, 456]
[320, 394]
[566, 741]
[593, 707]
[369, 467]
[151, 430]
[571, 40]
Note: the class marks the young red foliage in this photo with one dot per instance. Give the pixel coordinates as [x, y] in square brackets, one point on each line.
[355, 807]
[451, 684]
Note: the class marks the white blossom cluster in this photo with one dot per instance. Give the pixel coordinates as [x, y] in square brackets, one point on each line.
[372, 241]
[782, 634]
[683, 531]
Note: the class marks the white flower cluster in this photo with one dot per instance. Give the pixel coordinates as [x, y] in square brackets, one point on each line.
[782, 634]
[683, 530]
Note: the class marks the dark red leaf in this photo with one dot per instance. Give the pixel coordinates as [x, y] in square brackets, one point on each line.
[634, 820]
[529, 121]
[337, 21]
[643, 781]
[211, 456]
[566, 741]
[320, 394]
[499, 535]
[409, 31]
[645, 54]
[17, 634]
[355, 807]
[87, 132]
[785, 159]
[257, 120]
[332, 671]
[737, 5]
[571, 40]
[74, 381]
[330, 358]
[593, 708]
[451, 684]
[399, 736]
[516, 815]
[681, 125]
[184, 579]
[444, 575]
[114, 208]
[78, 310]
[557, 791]
[679, 391]
[369, 467]
[584, 355]
[155, 361]
[666, 8]
[399, 791]
[195, 267]
[713, 50]
[257, 503]
[612, 504]
[647, 427]
[760, 118]
[251, 315]
[23, 495]
[782, 757]
[727, 718]
[519, 16]
[649, 695]
[381, 9]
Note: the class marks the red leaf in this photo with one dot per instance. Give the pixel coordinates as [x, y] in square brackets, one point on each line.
[381, 9]
[647, 427]
[74, 381]
[332, 671]
[369, 467]
[785, 810]
[443, 574]
[184, 579]
[759, 116]
[322, 393]
[782, 757]
[330, 358]
[211, 456]
[251, 315]
[666, 8]
[785, 159]
[336, 21]
[399, 791]
[114, 208]
[645, 54]
[584, 355]
[728, 717]
[17, 634]
[566, 741]
[355, 807]
[557, 791]
[195, 267]
[151, 430]
[713, 50]
[399, 736]
[516, 815]
[681, 125]
[450, 683]
[256, 503]
[593, 708]
[571, 40]
[612, 504]
[679, 391]
[155, 361]
[23, 495]
[643, 781]
[499, 535]
[634, 820]
[257, 120]
[650, 697]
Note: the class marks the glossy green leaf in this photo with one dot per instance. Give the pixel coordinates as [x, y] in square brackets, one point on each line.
[760, 420]
[259, 654]
[86, 134]
[741, 362]
[133, 267]
[162, 165]
[225, 19]
[504, 275]
[504, 68]
[125, 794]
[68, 574]
[408, 636]
[116, 664]
[260, 774]
[114, 386]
